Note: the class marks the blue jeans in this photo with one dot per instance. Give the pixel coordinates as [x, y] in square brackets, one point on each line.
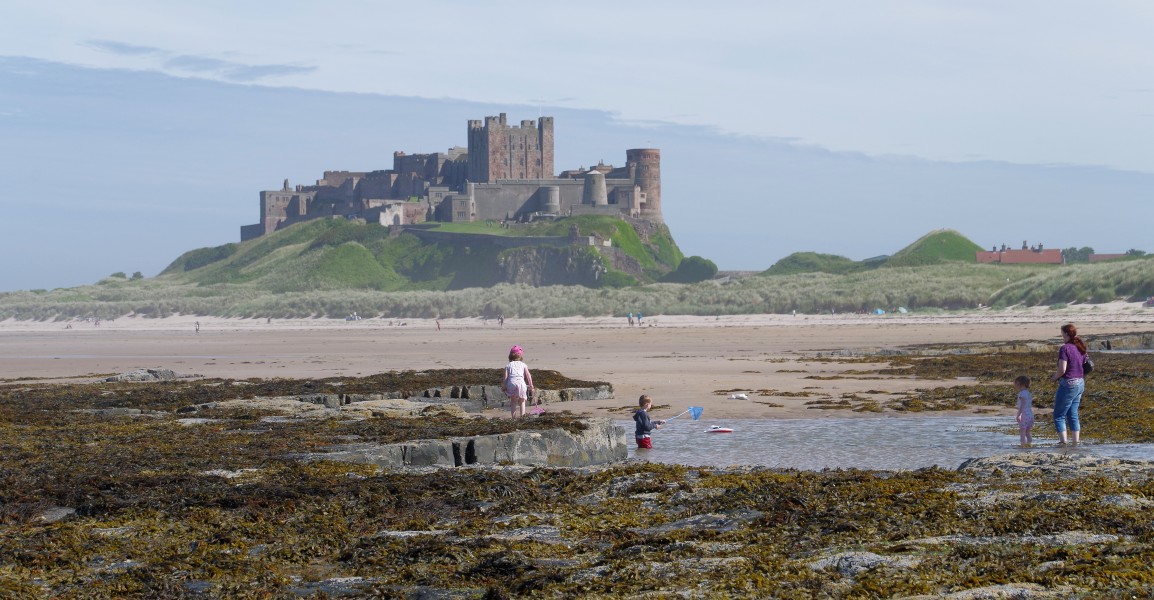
[1066, 401]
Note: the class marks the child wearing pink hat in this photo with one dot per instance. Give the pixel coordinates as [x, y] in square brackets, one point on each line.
[518, 382]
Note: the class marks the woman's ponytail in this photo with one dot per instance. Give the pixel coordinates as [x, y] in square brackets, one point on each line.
[1072, 333]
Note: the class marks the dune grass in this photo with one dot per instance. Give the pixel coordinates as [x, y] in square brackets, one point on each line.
[330, 268]
[1089, 283]
[952, 286]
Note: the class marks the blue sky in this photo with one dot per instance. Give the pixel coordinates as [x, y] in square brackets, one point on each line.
[132, 131]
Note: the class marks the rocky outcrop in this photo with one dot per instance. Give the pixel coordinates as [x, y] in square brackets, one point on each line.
[1121, 341]
[542, 266]
[624, 262]
[147, 375]
[1058, 464]
[600, 392]
[471, 398]
[453, 399]
[601, 442]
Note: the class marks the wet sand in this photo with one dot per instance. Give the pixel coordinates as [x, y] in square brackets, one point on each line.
[681, 361]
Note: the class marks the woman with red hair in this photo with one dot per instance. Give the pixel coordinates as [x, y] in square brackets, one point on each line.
[1070, 384]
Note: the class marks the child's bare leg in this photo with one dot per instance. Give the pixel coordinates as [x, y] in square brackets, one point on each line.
[512, 408]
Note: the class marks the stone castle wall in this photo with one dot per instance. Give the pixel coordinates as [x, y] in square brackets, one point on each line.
[503, 241]
[507, 173]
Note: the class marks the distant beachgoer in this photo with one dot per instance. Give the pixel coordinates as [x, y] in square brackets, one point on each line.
[1025, 410]
[501, 320]
[198, 326]
[518, 382]
[639, 318]
[645, 425]
[1071, 384]
[631, 319]
[438, 324]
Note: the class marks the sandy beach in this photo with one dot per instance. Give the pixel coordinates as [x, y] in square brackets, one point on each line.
[681, 361]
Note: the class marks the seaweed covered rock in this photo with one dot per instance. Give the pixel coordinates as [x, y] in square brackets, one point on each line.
[146, 375]
[1058, 464]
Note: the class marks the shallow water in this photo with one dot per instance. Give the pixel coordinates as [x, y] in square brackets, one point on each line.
[896, 443]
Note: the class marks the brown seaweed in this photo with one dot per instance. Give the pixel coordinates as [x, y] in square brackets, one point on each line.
[223, 510]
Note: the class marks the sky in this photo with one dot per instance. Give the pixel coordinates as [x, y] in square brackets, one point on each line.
[838, 126]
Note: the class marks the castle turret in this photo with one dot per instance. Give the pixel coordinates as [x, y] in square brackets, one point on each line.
[552, 200]
[545, 144]
[646, 164]
[594, 191]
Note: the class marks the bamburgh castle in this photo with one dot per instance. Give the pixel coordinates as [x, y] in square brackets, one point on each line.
[506, 174]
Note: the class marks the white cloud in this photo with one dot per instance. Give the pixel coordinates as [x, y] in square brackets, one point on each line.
[124, 49]
[1032, 81]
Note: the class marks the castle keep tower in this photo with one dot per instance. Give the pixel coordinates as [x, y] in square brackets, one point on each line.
[497, 151]
[645, 166]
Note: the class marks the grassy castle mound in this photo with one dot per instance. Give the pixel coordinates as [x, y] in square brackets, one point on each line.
[329, 254]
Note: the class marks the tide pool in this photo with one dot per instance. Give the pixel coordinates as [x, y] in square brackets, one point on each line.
[889, 443]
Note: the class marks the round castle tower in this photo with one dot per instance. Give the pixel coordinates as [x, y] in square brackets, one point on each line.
[594, 191]
[552, 204]
[645, 165]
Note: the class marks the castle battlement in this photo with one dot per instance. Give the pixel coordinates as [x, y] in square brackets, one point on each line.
[504, 174]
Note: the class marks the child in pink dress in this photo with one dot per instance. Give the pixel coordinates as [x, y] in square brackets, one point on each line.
[1025, 410]
[518, 382]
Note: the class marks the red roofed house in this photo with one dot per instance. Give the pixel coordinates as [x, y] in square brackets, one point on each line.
[1019, 257]
[1102, 257]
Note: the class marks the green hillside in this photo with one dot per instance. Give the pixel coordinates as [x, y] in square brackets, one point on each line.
[813, 262]
[943, 245]
[334, 254]
[331, 268]
[936, 247]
